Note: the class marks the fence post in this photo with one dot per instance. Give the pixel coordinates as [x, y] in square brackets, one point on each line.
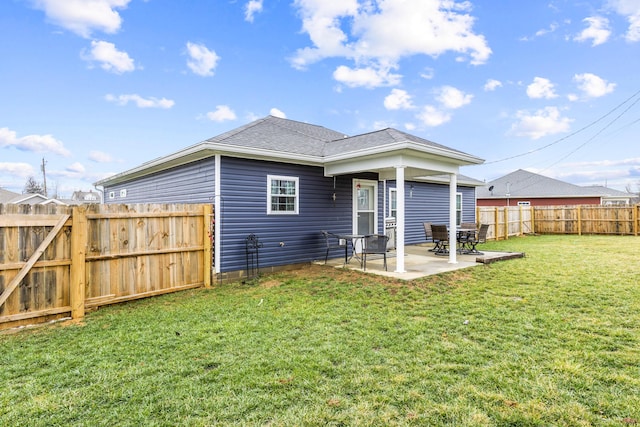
[497, 228]
[78, 255]
[533, 220]
[635, 219]
[207, 214]
[579, 220]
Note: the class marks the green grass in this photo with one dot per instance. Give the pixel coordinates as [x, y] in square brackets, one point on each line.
[550, 339]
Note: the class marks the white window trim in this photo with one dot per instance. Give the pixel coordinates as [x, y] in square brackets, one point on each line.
[461, 210]
[297, 195]
[392, 192]
[524, 203]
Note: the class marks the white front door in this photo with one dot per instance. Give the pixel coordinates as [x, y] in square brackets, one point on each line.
[365, 208]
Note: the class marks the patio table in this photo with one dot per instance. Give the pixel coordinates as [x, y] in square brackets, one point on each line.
[353, 238]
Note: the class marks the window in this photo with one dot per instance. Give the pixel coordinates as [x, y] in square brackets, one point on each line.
[112, 194]
[458, 208]
[393, 202]
[282, 195]
[123, 193]
[524, 203]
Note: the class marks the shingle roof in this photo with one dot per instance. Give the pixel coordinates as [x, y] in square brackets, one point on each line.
[522, 183]
[289, 140]
[276, 134]
[378, 138]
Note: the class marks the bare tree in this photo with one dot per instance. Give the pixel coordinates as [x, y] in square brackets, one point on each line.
[33, 187]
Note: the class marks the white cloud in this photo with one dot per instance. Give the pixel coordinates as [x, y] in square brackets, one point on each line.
[398, 99]
[33, 143]
[251, 8]
[202, 60]
[376, 35]
[20, 170]
[222, 113]
[432, 117]
[541, 88]
[492, 85]
[428, 73]
[277, 113]
[100, 157]
[76, 168]
[631, 10]
[597, 31]
[365, 77]
[453, 98]
[593, 86]
[83, 17]
[140, 101]
[110, 58]
[547, 121]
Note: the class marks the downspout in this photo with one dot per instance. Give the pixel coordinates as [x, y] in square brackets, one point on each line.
[217, 226]
[101, 193]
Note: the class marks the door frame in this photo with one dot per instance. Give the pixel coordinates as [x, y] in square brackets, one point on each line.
[354, 189]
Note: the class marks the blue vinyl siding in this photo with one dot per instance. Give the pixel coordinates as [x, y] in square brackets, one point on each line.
[243, 206]
[190, 183]
[244, 211]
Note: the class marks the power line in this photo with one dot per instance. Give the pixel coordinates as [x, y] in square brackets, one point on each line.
[574, 133]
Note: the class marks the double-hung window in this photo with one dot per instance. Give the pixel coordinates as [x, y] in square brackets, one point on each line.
[458, 208]
[282, 195]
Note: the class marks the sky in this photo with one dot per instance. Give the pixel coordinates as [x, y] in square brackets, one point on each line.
[96, 87]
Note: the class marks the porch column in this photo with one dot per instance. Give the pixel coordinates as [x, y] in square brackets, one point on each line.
[453, 189]
[400, 220]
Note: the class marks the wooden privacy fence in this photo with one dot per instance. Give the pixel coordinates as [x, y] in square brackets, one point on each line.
[587, 219]
[505, 222]
[59, 261]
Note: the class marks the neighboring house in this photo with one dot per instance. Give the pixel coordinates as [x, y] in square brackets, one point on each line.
[83, 197]
[522, 188]
[9, 197]
[286, 181]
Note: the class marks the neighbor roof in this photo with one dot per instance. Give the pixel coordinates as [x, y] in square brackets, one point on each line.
[522, 183]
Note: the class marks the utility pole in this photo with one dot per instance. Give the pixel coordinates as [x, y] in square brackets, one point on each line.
[44, 176]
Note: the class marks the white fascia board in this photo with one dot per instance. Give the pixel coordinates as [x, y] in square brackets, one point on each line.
[386, 164]
[445, 180]
[454, 157]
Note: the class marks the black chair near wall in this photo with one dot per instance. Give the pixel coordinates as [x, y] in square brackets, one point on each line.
[374, 244]
[333, 241]
[441, 235]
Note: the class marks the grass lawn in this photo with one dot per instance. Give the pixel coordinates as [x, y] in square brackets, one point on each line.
[550, 339]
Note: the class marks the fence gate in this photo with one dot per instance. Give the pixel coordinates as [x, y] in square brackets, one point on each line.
[33, 251]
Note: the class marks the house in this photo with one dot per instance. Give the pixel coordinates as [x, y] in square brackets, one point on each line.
[9, 197]
[522, 188]
[285, 181]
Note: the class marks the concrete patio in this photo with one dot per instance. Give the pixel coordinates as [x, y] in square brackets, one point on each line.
[419, 262]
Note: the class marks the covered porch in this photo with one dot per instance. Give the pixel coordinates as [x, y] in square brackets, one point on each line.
[399, 157]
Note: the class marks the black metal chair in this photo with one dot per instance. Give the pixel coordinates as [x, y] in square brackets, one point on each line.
[441, 235]
[333, 241]
[479, 237]
[374, 244]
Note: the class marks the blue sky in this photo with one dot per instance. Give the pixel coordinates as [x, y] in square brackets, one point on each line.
[95, 87]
